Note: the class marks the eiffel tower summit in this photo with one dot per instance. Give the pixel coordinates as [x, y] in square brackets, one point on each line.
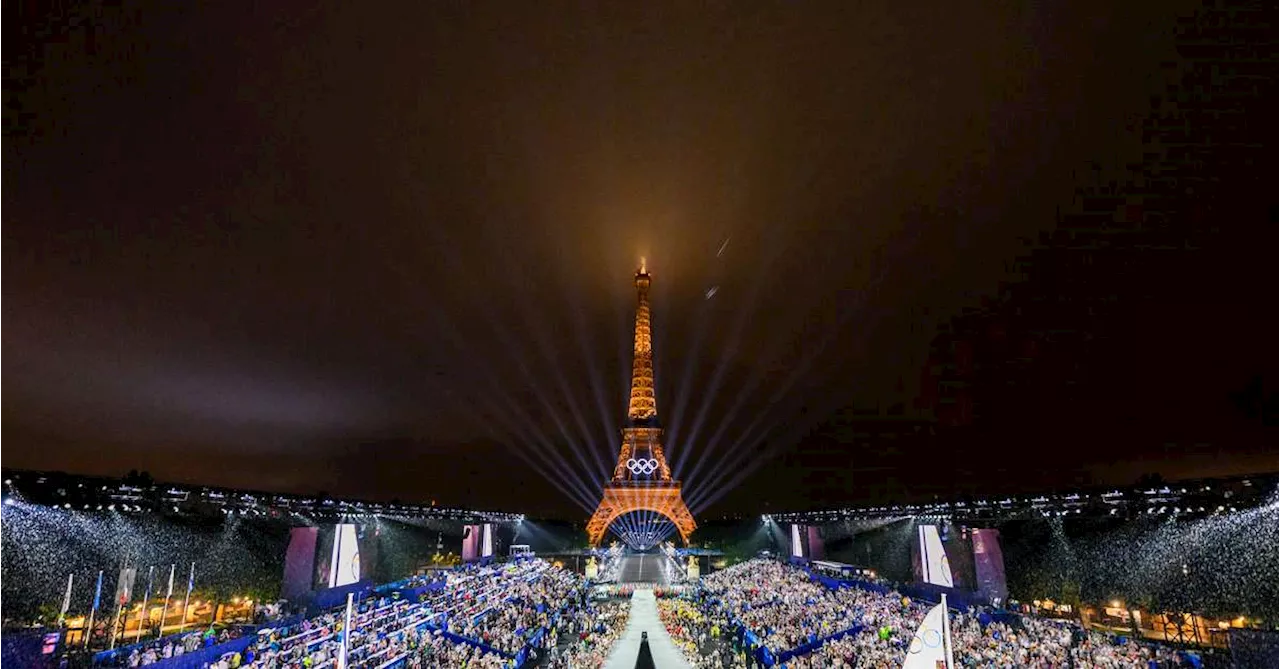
[642, 479]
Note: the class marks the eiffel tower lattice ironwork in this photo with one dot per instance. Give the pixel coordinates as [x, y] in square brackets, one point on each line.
[642, 479]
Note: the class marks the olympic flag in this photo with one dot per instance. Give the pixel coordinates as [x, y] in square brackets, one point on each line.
[931, 645]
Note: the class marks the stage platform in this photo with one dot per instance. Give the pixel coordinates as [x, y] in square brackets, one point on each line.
[646, 569]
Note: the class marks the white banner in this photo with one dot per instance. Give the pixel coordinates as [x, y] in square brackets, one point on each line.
[928, 649]
[934, 565]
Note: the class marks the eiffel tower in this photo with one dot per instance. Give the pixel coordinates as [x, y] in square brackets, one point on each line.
[642, 479]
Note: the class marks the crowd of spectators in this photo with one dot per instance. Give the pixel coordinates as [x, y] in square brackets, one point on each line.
[608, 565]
[1042, 643]
[781, 606]
[431, 577]
[497, 609]
[429, 649]
[886, 622]
[501, 606]
[171, 646]
[501, 610]
[585, 638]
[673, 568]
[396, 633]
[1033, 644]
[315, 641]
[702, 638]
[617, 591]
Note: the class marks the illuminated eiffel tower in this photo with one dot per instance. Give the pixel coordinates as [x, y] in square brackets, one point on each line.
[641, 480]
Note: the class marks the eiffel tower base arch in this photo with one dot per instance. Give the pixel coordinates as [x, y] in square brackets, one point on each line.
[665, 500]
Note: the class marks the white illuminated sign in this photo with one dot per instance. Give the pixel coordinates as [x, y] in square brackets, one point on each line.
[642, 466]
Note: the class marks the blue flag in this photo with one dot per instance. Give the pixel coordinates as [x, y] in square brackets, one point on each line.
[97, 594]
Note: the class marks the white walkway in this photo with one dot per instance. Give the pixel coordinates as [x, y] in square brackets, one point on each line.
[644, 618]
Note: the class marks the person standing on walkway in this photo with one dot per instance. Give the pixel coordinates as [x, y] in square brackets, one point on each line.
[644, 660]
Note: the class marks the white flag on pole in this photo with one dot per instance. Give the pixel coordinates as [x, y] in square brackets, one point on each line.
[928, 649]
[66, 599]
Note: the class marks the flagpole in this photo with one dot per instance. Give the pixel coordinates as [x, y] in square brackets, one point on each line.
[97, 599]
[121, 598]
[165, 612]
[146, 600]
[346, 632]
[66, 599]
[115, 625]
[946, 630]
[191, 580]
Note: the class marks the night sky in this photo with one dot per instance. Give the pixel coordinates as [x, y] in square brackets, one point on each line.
[389, 253]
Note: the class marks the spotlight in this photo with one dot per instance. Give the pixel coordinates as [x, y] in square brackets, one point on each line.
[8, 501]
